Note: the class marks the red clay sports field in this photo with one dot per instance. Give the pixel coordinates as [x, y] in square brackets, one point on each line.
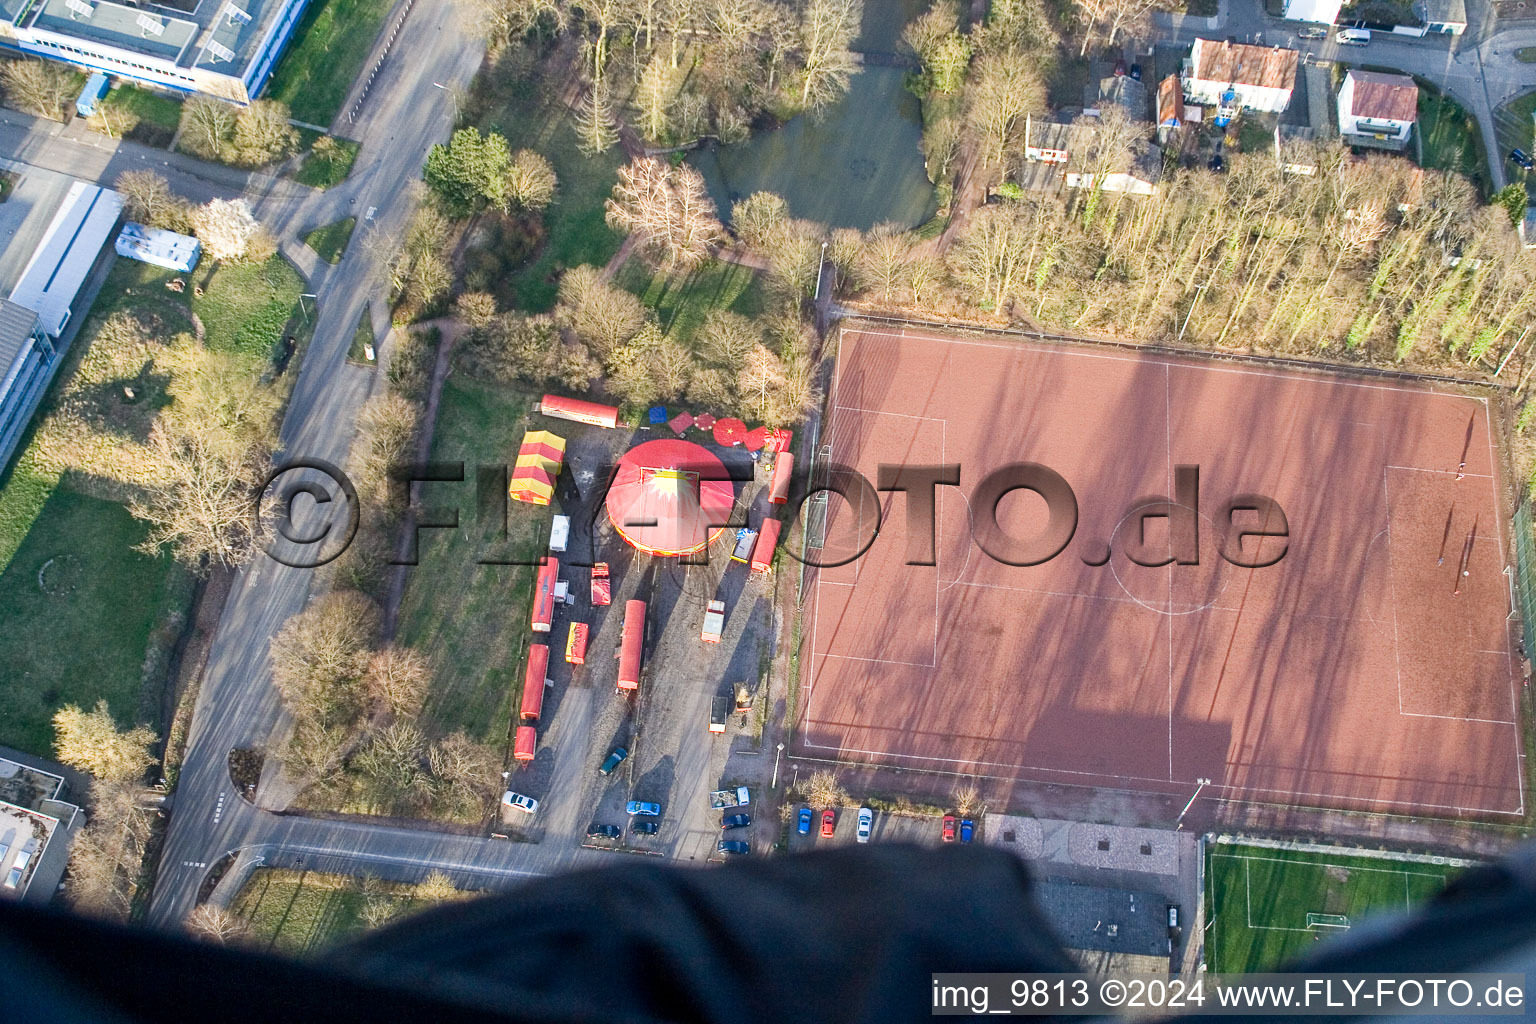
[1351, 674]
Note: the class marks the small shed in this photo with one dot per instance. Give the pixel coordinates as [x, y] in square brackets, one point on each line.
[96, 87]
[158, 247]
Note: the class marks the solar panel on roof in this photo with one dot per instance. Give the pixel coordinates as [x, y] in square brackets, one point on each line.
[150, 24]
[220, 51]
[234, 12]
[79, 7]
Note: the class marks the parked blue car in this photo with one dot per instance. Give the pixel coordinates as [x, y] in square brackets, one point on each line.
[804, 826]
[967, 829]
[641, 807]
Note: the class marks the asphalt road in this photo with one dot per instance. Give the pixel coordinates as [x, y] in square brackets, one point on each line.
[237, 706]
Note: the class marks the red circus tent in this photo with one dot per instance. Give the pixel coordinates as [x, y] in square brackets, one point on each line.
[670, 497]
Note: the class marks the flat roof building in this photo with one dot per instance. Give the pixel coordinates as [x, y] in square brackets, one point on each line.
[27, 361]
[36, 824]
[223, 48]
[69, 249]
[1093, 919]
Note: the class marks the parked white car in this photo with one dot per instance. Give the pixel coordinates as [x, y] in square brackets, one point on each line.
[866, 822]
[517, 801]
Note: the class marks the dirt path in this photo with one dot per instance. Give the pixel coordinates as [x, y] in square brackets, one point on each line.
[450, 330]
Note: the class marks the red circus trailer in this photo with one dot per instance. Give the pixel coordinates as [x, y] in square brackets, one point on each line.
[602, 592]
[632, 645]
[526, 743]
[579, 410]
[533, 682]
[778, 484]
[576, 644]
[767, 540]
[544, 595]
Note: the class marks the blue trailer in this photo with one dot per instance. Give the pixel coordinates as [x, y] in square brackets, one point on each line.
[95, 88]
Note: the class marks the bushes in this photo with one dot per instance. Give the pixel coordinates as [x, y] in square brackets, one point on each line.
[253, 136]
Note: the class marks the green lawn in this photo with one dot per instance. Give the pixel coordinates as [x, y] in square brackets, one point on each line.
[93, 644]
[1266, 907]
[1450, 137]
[327, 52]
[1526, 55]
[330, 241]
[318, 173]
[301, 912]
[682, 300]
[77, 607]
[471, 620]
[140, 114]
[531, 116]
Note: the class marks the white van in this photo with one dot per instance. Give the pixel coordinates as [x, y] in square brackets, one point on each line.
[1354, 36]
[559, 534]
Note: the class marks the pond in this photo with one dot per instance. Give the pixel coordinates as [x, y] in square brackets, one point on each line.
[857, 164]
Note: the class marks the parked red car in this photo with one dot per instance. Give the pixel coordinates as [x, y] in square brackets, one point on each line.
[949, 828]
[828, 821]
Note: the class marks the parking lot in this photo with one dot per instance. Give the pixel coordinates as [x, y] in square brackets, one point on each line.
[674, 759]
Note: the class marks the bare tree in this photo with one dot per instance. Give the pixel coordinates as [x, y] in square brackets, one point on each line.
[39, 87]
[1007, 86]
[320, 656]
[505, 20]
[437, 887]
[262, 133]
[146, 196]
[210, 449]
[596, 131]
[824, 789]
[397, 680]
[473, 768]
[601, 314]
[967, 799]
[758, 217]
[992, 253]
[92, 742]
[668, 208]
[215, 924]
[653, 95]
[531, 181]
[827, 27]
[226, 228]
[106, 857]
[475, 309]
[206, 126]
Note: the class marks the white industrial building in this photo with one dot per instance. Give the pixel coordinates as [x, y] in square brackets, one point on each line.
[223, 48]
[1322, 12]
[34, 320]
[67, 253]
[1237, 76]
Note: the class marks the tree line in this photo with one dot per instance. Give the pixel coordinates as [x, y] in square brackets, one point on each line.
[679, 70]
